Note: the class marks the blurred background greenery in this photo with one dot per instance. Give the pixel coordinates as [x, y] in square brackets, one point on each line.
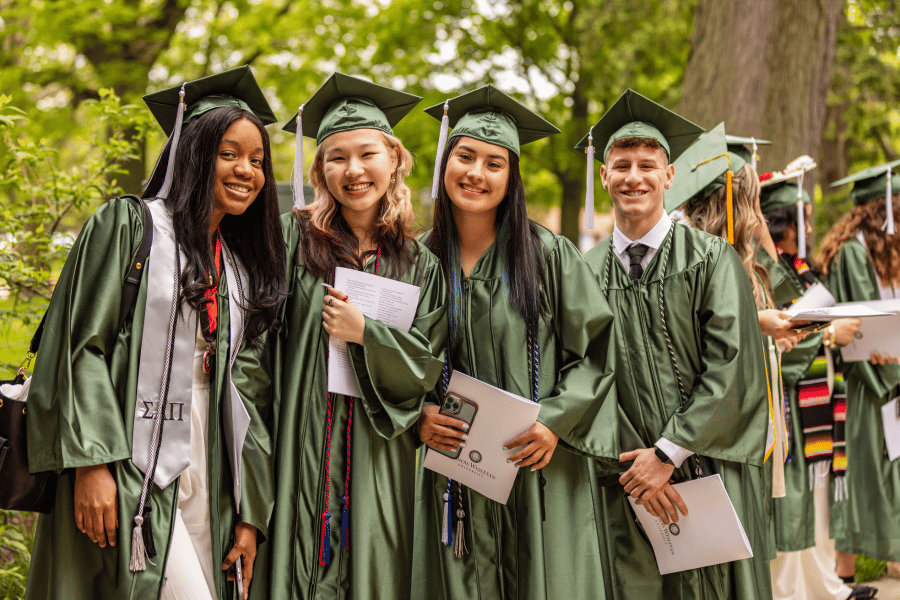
[817, 77]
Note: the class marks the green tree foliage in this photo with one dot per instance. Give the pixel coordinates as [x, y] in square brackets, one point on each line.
[41, 185]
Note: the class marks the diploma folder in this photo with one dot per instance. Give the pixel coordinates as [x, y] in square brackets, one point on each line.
[501, 417]
[876, 335]
[710, 534]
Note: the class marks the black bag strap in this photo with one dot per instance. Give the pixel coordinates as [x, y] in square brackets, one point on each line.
[132, 280]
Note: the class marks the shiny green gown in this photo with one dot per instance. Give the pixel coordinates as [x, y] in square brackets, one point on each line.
[794, 514]
[512, 553]
[80, 413]
[869, 521]
[711, 318]
[394, 369]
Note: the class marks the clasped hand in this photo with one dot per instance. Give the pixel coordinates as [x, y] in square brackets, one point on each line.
[341, 318]
[648, 482]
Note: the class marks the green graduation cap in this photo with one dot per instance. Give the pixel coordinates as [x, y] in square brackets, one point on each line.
[489, 115]
[785, 188]
[739, 145]
[344, 103]
[235, 87]
[177, 105]
[703, 168]
[873, 183]
[781, 195]
[633, 115]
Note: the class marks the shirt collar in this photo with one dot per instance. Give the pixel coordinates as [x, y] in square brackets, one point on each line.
[652, 239]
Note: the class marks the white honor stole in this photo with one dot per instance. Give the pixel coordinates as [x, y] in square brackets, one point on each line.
[165, 372]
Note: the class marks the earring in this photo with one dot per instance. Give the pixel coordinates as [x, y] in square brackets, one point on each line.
[393, 179]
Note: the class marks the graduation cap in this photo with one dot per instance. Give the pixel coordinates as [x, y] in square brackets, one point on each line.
[344, 103]
[738, 145]
[793, 173]
[705, 167]
[633, 115]
[781, 195]
[175, 106]
[873, 183]
[488, 115]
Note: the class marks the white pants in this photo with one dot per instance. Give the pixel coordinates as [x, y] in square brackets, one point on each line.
[809, 574]
[189, 569]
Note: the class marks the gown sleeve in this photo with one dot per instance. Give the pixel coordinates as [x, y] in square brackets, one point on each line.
[395, 369]
[851, 279]
[252, 378]
[581, 409]
[728, 398]
[74, 416]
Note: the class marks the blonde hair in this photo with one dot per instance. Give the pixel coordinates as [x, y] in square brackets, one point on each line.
[396, 207]
[711, 216]
[328, 241]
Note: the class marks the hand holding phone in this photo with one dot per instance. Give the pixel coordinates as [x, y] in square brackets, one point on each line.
[459, 408]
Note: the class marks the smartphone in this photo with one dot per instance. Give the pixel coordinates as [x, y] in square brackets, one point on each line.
[460, 408]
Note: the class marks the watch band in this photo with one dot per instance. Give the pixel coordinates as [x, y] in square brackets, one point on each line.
[662, 456]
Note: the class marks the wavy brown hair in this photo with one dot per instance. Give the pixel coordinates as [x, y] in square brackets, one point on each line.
[711, 216]
[868, 218]
[328, 241]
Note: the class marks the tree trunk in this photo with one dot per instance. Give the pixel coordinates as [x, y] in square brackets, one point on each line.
[765, 68]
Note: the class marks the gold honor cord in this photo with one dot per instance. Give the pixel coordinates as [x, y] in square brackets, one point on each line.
[729, 200]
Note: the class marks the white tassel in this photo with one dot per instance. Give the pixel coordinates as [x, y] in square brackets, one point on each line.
[823, 471]
[297, 176]
[753, 156]
[442, 142]
[176, 135]
[589, 192]
[801, 219]
[138, 552]
[889, 222]
[459, 546]
[446, 522]
[812, 476]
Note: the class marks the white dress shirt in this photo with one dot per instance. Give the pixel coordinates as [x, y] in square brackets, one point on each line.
[653, 239]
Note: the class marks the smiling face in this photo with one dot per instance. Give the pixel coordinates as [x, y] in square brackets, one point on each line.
[357, 166]
[477, 176]
[637, 178]
[239, 169]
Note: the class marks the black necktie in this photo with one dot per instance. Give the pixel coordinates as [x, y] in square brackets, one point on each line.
[636, 253]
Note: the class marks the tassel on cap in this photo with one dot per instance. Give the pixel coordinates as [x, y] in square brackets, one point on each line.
[729, 204]
[889, 221]
[801, 219]
[753, 156]
[297, 176]
[442, 142]
[589, 192]
[176, 135]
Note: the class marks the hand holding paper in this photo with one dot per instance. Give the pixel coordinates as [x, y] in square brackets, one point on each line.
[539, 443]
[647, 475]
[341, 318]
[664, 504]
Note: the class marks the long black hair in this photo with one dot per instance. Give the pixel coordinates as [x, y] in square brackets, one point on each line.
[255, 236]
[780, 220]
[523, 273]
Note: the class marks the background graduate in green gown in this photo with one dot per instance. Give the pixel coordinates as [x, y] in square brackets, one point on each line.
[861, 259]
[806, 555]
[514, 285]
[688, 362]
[342, 525]
[83, 401]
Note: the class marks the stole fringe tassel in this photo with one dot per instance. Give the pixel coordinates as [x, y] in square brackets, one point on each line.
[841, 492]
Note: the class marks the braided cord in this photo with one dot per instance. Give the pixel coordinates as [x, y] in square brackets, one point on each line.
[665, 326]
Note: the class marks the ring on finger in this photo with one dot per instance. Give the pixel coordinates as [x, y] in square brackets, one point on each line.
[330, 300]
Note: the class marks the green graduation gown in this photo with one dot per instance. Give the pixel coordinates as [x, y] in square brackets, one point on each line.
[394, 370]
[80, 413]
[869, 521]
[512, 553]
[794, 514]
[711, 317]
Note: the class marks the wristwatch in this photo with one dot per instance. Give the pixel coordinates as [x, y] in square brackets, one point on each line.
[662, 456]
